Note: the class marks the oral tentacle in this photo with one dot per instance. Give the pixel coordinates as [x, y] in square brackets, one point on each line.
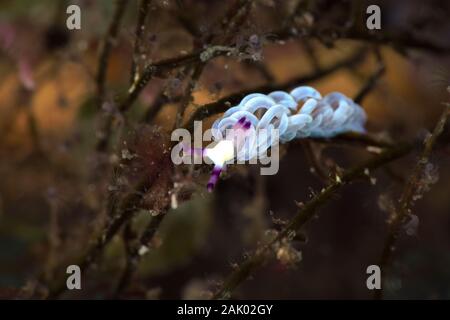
[214, 178]
[194, 151]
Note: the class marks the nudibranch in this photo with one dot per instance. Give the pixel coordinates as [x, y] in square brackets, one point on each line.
[301, 113]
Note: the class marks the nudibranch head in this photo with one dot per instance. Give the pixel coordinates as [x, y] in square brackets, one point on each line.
[226, 148]
[222, 152]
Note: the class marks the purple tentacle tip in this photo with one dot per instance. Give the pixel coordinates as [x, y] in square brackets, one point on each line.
[214, 178]
[241, 120]
[247, 125]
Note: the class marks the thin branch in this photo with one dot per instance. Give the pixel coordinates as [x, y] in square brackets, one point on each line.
[357, 139]
[315, 162]
[261, 68]
[161, 100]
[140, 28]
[305, 213]
[188, 25]
[234, 19]
[403, 40]
[128, 237]
[403, 208]
[108, 42]
[310, 52]
[135, 253]
[372, 80]
[196, 73]
[161, 68]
